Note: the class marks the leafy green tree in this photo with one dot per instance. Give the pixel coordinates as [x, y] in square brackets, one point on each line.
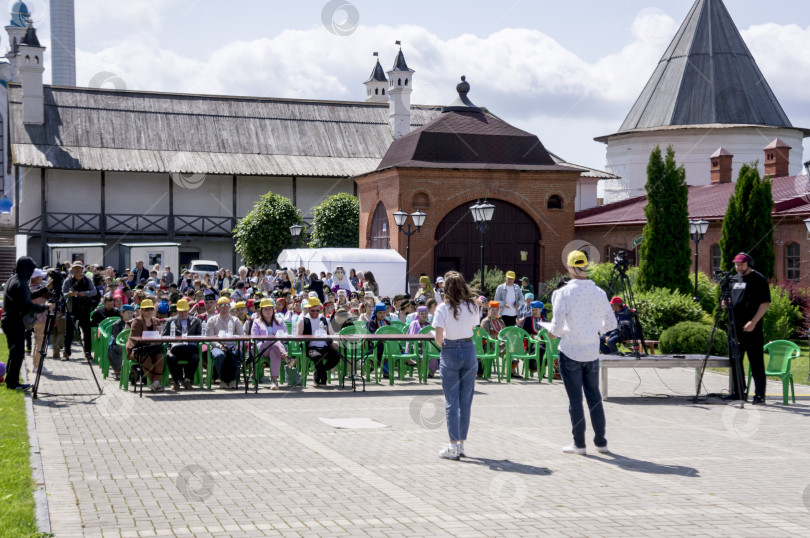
[336, 222]
[494, 278]
[265, 231]
[666, 256]
[748, 224]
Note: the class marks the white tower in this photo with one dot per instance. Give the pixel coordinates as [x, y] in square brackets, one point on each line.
[400, 79]
[63, 43]
[16, 31]
[376, 85]
[31, 62]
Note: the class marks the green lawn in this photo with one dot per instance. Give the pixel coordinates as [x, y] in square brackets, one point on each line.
[16, 486]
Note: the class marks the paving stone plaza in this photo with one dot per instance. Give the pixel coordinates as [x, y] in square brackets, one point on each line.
[329, 462]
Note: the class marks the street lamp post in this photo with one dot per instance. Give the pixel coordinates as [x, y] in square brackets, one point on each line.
[295, 231]
[400, 218]
[697, 229]
[482, 214]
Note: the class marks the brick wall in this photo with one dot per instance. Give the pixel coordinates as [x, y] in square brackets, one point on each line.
[447, 189]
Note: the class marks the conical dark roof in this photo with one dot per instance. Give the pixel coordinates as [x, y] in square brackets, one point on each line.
[399, 63]
[707, 75]
[377, 73]
[30, 38]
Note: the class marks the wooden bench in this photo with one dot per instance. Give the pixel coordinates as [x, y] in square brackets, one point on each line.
[658, 361]
[649, 343]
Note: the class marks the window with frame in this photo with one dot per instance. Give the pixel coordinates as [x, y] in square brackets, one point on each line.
[793, 262]
[716, 256]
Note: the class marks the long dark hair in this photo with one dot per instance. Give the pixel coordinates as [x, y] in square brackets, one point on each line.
[456, 292]
[369, 277]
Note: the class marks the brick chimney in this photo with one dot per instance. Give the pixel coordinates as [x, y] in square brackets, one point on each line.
[777, 159]
[721, 166]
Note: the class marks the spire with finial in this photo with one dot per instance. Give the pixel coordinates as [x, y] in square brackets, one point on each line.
[376, 84]
[462, 102]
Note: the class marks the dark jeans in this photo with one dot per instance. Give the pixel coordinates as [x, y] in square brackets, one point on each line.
[579, 377]
[328, 360]
[509, 321]
[611, 346]
[751, 344]
[226, 364]
[186, 353]
[83, 321]
[15, 339]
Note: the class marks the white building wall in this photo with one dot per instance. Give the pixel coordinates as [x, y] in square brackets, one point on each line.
[73, 191]
[628, 155]
[213, 198]
[251, 188]
[586, 193]
[314, 190]
[137, 193]
[30, 202]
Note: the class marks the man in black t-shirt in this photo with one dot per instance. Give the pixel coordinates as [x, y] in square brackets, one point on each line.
[750, 299]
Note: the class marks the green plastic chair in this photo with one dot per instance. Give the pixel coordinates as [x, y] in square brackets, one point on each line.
[359, 324]
[198, 375]
[513, 338]
[100, 341]
[487, 350]
[394, 354]
[401, 325]
[430, 351]
[552, 353]
[360, 350]
[780, 354]
[126, 364]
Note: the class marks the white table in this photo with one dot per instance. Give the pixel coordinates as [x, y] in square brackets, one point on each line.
[658, 361]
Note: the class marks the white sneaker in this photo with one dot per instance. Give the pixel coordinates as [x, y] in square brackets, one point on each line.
[232, 385]
[155, 386]
[461, 450]
[571, 449]
[603, 449]
[274, 385]
[223, 385]
[46, 370]
[450, 452]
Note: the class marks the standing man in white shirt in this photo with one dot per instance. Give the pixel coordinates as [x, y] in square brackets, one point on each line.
[509, 296]
[581, 311]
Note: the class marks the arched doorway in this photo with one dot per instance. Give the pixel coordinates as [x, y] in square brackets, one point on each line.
[380, 237]
[511, 242]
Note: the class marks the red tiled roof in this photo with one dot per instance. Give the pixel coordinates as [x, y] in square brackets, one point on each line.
[791, 196]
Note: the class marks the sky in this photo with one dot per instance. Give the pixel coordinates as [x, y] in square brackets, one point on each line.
[565, 71]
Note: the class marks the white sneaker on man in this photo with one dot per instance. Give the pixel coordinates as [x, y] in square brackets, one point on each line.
[450, 452]
[46, 370]
[223, 385]
[603, 449]
[232, 385]
[155, 386]
[571, 449]
[461, 450]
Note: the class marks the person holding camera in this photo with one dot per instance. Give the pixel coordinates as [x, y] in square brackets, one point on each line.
[750, 299]
[79, 291]
[17, 305]
[608, 342]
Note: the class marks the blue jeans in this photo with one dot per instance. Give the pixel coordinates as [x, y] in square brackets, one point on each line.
[226, 364]
[458, 366]
[579, 377]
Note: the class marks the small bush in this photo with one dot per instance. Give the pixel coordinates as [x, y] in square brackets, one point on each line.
[693, 338]
[494, 278]
[601, 273]
[782, 318]
[660, 309]
[707, 293]
[550, 286]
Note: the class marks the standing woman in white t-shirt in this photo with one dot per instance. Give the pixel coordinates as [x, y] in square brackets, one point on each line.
[454, 322]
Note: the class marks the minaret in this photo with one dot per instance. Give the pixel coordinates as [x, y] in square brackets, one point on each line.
[16, 31]
[31, 63]
[63, 43]
[376, 85]
[400, 79]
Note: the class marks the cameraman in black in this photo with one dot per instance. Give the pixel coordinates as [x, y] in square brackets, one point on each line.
[750, 299]
[17, 305]
[623, 331]
[79, 292]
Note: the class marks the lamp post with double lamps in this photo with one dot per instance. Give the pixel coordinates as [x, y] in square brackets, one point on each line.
[697, 229]
[400, 218]
[482, 215]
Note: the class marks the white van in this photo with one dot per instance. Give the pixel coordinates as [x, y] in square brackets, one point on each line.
[202, 267]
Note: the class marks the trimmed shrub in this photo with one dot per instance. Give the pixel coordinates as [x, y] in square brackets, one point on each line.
[693, 338]
[494, 278]
[782, 318]
[660, 309]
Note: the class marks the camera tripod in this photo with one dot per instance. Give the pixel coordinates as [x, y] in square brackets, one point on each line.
[733, 342]
[50, 321]
[619, 277]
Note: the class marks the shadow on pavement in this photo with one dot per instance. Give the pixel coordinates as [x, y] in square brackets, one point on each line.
[507, 466]
[641, 466]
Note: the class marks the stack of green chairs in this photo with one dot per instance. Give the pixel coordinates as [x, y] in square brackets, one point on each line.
[780, 355]
[101, 343]
[393, 352]
[513, 338]
[487, 350]
[126, 364]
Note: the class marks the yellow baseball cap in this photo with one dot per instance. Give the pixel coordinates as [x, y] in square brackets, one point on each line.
[223, 300]
[265, 303]
[182, 305]
[314, 301]
[240, 304]
[577, 258]
[147, 303]
[510, 274]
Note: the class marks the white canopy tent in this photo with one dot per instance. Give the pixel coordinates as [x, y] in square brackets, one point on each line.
[387, 265]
